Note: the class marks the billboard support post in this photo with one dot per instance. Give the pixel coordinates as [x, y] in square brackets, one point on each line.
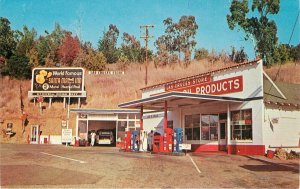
[50, 102]
[68, 111]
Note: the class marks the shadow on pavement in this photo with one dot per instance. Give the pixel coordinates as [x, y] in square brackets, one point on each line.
[270, 166]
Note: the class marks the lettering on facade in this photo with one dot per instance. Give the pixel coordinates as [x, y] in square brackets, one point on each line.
[171, 86]
[224, 86]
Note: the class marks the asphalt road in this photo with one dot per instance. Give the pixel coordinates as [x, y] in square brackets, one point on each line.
[55, 166]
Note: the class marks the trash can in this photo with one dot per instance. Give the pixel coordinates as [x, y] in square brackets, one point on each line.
[45, 140]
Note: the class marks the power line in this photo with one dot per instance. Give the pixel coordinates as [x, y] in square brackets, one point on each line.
[277, 74]
[146, 38]
[294, 27]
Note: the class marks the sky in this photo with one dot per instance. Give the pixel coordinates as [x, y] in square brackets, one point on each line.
[89, 18]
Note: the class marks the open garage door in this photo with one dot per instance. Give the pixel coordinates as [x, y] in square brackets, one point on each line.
[105, 132]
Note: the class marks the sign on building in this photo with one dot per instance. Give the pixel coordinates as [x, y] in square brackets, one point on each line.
[185, 146]
[205, 86]
[57, 82]
[66, 135]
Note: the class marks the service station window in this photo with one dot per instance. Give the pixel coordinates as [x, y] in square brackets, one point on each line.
[122, 125]
[122, 116]
[192, 127]
[241, 125]
[209, 125]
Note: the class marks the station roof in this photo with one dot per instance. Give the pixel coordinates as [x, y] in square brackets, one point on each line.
[291, 92]
[179, 99]
[105, 111]
[237, 66]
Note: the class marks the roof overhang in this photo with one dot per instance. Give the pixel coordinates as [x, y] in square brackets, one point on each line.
[178, 100]
[104, 111]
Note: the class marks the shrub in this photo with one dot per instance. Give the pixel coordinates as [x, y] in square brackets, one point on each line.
[201, 54]
[18, 67]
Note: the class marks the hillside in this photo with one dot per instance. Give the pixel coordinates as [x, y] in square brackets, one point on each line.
[103, 91]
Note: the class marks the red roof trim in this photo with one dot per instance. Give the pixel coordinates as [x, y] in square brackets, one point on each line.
[202, 74]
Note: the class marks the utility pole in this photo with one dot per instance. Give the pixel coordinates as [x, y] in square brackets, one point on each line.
[146, 38]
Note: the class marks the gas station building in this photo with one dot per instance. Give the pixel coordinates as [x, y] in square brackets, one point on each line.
[238, 109]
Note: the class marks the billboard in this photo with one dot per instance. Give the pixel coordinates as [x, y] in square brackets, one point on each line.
[57, 82]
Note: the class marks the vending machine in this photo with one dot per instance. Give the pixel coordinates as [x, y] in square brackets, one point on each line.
[178, 139]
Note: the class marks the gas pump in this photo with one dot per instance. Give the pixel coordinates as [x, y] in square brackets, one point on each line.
[127, 141]
[178, 139]
[168, 140]
[158, 143]
[134, 142]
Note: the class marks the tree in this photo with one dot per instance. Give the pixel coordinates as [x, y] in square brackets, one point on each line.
[107, 44]
[91, 60]
[95, 61]
[238, 56]
[7, 42]
[18, 66]
[131, 48]
[33, 57]
[123, 62]
[25, 41]
[260, 29]
[295, 53]
[47, 46]
[179, 37]
[69, 49]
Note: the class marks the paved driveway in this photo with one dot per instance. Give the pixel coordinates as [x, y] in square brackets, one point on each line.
[84, 167]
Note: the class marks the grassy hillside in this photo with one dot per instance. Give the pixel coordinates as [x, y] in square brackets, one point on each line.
[103, 91]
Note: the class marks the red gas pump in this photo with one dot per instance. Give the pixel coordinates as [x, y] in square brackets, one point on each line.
[168, 140]
[158, 144]
[127, 141]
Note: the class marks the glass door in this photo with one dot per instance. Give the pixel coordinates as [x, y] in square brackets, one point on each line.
[223, 136]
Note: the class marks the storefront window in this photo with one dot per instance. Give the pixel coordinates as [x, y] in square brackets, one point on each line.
[122, 116]
[132, 116]
[196, 126]
[122, 125]
[131, 124]
[205, 127]
[209, 127]
[170, 124]
[192, 127]
[241, 125]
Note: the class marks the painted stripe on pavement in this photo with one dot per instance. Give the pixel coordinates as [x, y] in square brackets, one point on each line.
[63, 157]
[194, 164]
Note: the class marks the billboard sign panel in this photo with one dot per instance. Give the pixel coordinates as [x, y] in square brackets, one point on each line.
[57, 82]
